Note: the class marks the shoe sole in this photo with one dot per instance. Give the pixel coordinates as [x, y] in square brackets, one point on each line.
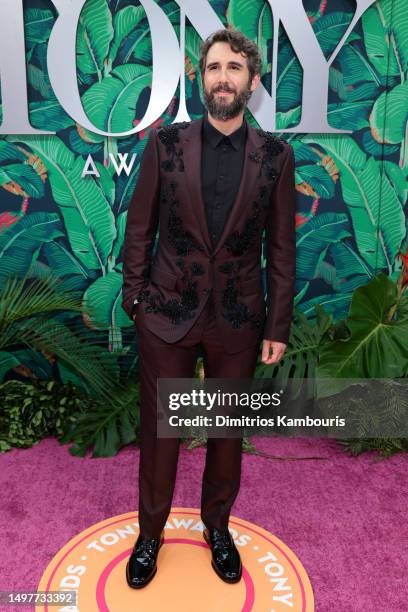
[227, 580]
[141, 586]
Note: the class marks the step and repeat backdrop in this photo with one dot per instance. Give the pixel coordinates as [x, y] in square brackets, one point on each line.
[83, 81]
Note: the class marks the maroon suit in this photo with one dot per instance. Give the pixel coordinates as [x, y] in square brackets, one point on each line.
[175, 315]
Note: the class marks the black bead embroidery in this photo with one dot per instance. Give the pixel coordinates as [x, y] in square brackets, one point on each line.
[175, 309]
[169, 136]
[197, 269]
[236, 313]
[272, 146]
[238, 243]
[181, 239]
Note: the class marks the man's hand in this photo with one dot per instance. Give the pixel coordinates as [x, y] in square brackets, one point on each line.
[278, 349]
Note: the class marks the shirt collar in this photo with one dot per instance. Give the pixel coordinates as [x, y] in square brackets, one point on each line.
[214, 137]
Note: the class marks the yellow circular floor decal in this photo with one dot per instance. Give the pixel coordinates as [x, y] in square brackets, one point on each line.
[93, 564]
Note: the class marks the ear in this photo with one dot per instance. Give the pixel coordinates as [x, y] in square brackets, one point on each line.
[255, 81]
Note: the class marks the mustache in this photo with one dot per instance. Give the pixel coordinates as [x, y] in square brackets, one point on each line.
[223, 88]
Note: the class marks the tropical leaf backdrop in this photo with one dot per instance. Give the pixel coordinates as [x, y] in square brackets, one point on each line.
[352, 189]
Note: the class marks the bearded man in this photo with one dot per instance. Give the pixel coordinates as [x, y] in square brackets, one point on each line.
[211, 186]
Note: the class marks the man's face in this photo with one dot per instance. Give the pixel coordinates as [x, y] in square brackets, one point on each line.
[226, 82]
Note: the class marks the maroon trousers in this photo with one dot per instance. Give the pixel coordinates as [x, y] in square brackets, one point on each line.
[159, 456]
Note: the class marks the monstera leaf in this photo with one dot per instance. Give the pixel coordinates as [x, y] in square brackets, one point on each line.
[377, 347]
[360, 179]
[111, 104]
[86, 211]
[301, 355]
[20, 242]
[315, 237]
[106, 428]
[94, 35]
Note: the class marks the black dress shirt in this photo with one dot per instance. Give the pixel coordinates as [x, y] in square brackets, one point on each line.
[222, 161]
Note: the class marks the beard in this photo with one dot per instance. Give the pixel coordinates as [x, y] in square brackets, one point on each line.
[220, 109]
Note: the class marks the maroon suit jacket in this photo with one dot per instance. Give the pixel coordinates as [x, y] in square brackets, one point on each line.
[172, 287]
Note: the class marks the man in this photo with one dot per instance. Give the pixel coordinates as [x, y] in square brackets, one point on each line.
[211, 187]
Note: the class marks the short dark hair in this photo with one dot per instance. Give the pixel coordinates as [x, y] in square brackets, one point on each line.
[239, 44]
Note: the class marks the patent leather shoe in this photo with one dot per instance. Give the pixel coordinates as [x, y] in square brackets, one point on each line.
[142, 563]
[225, 557]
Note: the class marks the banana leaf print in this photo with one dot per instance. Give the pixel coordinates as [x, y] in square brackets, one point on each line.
[351, 188]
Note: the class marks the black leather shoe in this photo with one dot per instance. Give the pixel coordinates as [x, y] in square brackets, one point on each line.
[142, 563]
[225, 556]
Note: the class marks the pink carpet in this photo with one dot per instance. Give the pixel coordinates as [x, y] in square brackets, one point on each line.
[345, 518]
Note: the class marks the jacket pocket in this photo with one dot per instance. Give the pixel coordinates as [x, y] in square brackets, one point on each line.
[162, 278]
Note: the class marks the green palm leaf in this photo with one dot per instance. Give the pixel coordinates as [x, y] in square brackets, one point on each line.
[105, 429]
[25, 176]
[376, 22]
[111, 104]
[124, 22]
[314, 238]
[20, 242]
[94, 35]
[87, 214]
[394, 106]
[336, 304]
[364, 189]
[62, 261]
[103, 300]
[347, 261]
[318, 178]
[349, 115]
[38, 24]
[399, 34]
[26, 317]
[49, 115]
[7, 362]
